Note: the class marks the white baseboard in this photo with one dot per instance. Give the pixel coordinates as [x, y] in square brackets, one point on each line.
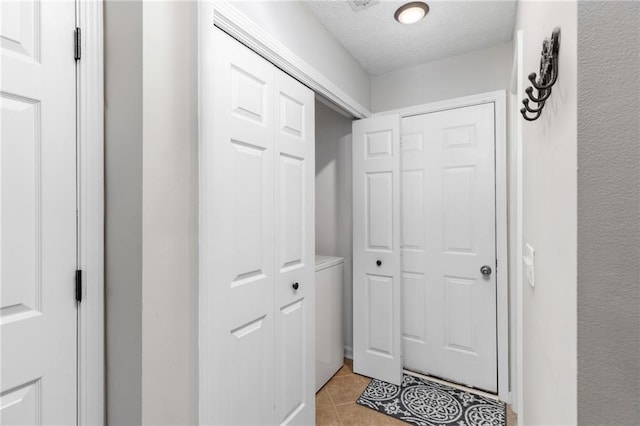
[348, 352]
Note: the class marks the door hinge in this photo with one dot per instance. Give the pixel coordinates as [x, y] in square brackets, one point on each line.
[79, 285]
[77, 40]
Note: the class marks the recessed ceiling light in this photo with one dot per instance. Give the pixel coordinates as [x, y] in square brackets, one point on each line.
[410, 13]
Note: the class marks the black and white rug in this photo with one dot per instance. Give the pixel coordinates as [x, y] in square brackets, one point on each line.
[426, 403]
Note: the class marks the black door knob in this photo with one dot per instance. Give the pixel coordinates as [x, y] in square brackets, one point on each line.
[295, 286]
[379, 262]
[485, 270]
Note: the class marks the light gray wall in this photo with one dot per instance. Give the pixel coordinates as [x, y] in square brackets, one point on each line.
[550, 224]
[123, 210]
[169, 214]
[292, 24]
[481, 71]
[608, 213]
[151, 212]
[334, 231]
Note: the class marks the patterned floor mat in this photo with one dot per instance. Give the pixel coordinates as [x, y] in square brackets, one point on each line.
[426, 403]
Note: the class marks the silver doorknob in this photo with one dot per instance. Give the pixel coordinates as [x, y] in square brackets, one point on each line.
[485, 270]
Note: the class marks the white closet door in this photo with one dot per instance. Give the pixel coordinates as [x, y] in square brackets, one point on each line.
[448, 235]
[294, 251]
[38, 214]
[237, 300]
[376, 248]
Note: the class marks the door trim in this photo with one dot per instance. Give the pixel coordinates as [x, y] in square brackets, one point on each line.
[517, 142]
[233, 22]
[90, 163]
[237, 25]
[498, 98]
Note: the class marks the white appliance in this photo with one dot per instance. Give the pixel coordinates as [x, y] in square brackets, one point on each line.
[329, 341]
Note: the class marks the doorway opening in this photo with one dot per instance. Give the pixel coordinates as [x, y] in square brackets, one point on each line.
[430, 203]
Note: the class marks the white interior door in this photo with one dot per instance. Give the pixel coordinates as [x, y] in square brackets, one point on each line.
[38, 213]
[295, 251]
[376, 248]
[258, 135]
[239, 298]
[448, 235]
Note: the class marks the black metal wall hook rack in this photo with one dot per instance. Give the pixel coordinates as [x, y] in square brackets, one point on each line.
[548, 77]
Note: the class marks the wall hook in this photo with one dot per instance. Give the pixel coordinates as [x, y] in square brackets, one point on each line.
[546, 80]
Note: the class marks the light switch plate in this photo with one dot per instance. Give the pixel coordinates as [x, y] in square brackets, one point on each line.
[529, 260]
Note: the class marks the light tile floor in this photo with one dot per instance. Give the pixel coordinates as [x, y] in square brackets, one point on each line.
[336, 402]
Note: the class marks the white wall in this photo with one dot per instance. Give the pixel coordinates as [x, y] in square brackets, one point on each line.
[291, 23]
[334, 232]
[169, 214]
[550, 224]
[608, 213]
[481, 71]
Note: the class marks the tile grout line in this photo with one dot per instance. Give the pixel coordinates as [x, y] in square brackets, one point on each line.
[333, 404]
[335, 409]
[345, 403]
[346, 375]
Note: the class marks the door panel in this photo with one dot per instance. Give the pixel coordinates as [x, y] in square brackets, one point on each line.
[37, 213]
[20, 29]
[244, 343]
[240, 153]
[458, 210]
[379, 207]
[295, 230]
[448, 167]
[22, 405]
[413, 315]
[376, 238]
[292, 209]
[412, 209]
[22, 198]
[292, 381]
[379, 315]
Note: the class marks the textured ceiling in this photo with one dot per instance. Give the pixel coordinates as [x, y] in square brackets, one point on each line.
[382, 45]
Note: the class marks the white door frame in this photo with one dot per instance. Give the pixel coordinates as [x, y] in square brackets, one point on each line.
[90, 200]
[498, 98]
[226, 17]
